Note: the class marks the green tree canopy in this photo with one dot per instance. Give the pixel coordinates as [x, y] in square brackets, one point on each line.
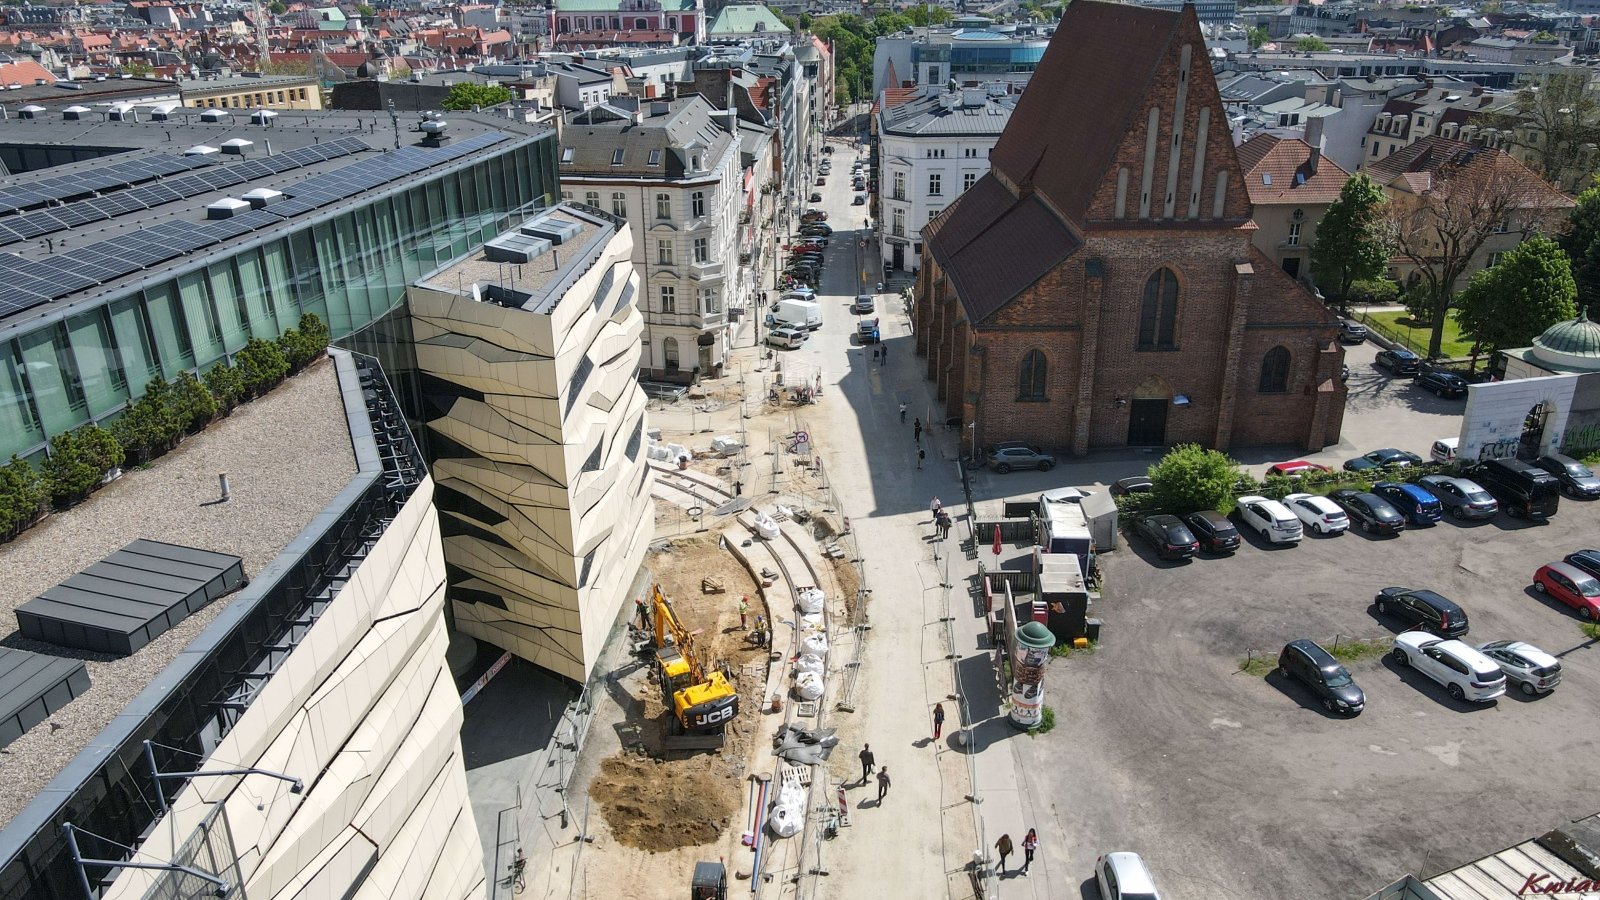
[1581, 240]
[1510, 304]
[1258, 36]
[278, 8]
[467, 95]
[365, 11]
[1352, 239]
[1191, 477]
[787, 22]
[1310, 44]
[923, 16]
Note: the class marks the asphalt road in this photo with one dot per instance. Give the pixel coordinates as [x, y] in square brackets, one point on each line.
[1239, 786]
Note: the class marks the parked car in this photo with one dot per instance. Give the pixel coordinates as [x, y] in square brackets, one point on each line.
[1015, 455]
[1587, 560]
[1524, 665]
[1465, 673]
[1306, 662]
[1271, 519]
[1443, 450]
[819, 227]
[1321, 515]
[1413, 502]
[1399, 362]
[1295, 468]
[1424, 609]
[1168, 535]
[1213, 530]
[1352, 332]
[864, 304]
[1377, 459]
[1133, 484]
[860, 200]
[1524, 490]
[1373, 513]
[1576, 479]
[1572, 586]
[821, 180]
[1462, 498]
[1442, 383]
[787, 338]
[816, 197]
[867, 331]
[1124, 876]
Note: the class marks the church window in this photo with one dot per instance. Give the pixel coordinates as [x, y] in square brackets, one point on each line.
[1275, 371]
[1158, 314]
[1030, 376]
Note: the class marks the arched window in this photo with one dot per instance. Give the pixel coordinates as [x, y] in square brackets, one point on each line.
[1158, 315]
[1274, 371]
[669, 348]
[1030, 376]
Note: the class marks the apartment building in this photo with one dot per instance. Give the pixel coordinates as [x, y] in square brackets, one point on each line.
[671, 169]
[251, 92]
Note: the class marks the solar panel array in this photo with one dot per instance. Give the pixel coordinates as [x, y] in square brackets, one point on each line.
[111, 175]
[181, 187]
[25, 283]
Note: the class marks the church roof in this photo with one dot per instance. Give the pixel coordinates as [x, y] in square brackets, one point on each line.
[996, 245]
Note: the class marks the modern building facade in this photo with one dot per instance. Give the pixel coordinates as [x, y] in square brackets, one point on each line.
[536, 423]
[931, 150]
[672, 170]
[1098, 287]
[971, 56]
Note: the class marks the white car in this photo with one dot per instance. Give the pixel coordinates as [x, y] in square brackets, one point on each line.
[1321, 515]
[1465, 673]
[1533, 670]
[1124, 876]
[1269, 518]
[787, 337]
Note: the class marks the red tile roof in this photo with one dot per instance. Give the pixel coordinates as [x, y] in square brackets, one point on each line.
[1416, 168]
[1289, 179]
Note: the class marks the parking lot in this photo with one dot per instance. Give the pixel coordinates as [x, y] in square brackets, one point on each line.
[1235, 785]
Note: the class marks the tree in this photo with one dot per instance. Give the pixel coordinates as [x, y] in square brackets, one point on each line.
[195, 405]
[923, 16]
[277, 7]
[365, 11]
[1353, 242]
[787, 22]
[1311, 44]
[467, 95]
[138, 68]
[1191, 478]
[1551, 121]
[1440, 230]
[1510, 304]
[261, 365]
[805, 21]
[1581, 240]
[22, 496]
[227, 385]
[70, 470]
[1257, 37]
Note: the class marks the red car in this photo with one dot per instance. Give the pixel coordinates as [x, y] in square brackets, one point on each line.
[1572, 586]
[1294, 468]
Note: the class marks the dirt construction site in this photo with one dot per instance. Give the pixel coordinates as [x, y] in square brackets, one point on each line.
[743, 515]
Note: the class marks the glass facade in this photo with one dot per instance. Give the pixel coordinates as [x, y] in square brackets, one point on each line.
[350, 268]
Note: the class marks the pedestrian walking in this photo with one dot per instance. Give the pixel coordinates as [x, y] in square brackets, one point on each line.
[1003, 846]
[884, 359]
[936, 507]
[902, 412]
[921, 455]
[883, 783]
[938, 720]
[868, 761]
[1029, 844]
[916, 430]
[744, 610]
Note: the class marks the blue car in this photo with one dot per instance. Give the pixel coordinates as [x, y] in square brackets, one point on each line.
[1414, 503]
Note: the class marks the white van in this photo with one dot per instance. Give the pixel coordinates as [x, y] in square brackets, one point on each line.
[1444, 450]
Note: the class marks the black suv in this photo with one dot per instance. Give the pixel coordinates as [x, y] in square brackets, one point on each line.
[1400, 362]
[1316, 668]
[1575, 477]
[1169, 536]
[1213, 530]
[1442, 384]
[1424, 609]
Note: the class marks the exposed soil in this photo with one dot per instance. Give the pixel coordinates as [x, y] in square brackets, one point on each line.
[656, 801]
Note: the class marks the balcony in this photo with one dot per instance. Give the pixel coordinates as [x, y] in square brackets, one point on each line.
[705, 271]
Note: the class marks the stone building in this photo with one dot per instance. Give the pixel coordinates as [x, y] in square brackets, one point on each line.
[1099, 288]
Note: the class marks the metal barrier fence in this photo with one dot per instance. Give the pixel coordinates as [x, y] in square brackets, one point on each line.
[983, 878]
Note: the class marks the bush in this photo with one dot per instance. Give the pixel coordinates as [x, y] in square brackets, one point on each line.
[152, 425]
[1375, 290]
[22, 496]
[226, 386]
[1278, 487]
[101, 447]
[70, 469]
[261, 365]
[315, 333]
[193, 402]
[1191, 477]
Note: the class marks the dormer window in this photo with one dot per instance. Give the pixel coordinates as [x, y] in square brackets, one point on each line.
[616, 157]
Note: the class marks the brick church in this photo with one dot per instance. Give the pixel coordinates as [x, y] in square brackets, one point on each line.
[1098, 288]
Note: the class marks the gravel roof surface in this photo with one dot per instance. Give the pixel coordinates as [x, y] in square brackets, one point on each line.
[286, 454]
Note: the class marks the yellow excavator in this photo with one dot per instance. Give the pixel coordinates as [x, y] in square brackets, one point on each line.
[703, 702]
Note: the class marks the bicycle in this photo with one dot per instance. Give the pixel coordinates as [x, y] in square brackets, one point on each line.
[515, 877]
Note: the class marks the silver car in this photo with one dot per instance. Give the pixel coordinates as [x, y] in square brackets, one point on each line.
[1461, 498]
[1017, 455]
[1529, 668]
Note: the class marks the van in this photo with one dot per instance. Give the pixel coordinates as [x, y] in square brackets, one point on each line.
[1444, 450]
[805, 314]
[1523, 490]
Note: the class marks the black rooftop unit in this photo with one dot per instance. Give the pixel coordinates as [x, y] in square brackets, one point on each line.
[129, 598]
[32, 686]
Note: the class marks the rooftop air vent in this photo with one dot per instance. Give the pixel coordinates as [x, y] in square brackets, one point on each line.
[201, 150]
[214, 115]
[123, 112]
[262, 197]
[556, 231]
[515, 247]
[236, 146]
[30, 111]
[162, 112]
[434, 132]
[262, 117]
[226, 208]
[75, 113]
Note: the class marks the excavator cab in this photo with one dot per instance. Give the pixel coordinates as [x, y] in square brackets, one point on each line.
[710, 882]
[702, 702]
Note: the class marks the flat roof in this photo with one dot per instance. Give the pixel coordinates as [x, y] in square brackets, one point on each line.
[538, 285]
[83, 231]
[287, 455]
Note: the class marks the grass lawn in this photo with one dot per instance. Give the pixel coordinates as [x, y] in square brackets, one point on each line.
[1394, 324]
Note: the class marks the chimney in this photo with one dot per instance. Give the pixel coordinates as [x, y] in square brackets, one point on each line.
[1315, 139]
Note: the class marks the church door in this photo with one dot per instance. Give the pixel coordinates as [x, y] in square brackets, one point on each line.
[1147, 423]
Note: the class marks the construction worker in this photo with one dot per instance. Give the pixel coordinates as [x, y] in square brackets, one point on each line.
[744, 610]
